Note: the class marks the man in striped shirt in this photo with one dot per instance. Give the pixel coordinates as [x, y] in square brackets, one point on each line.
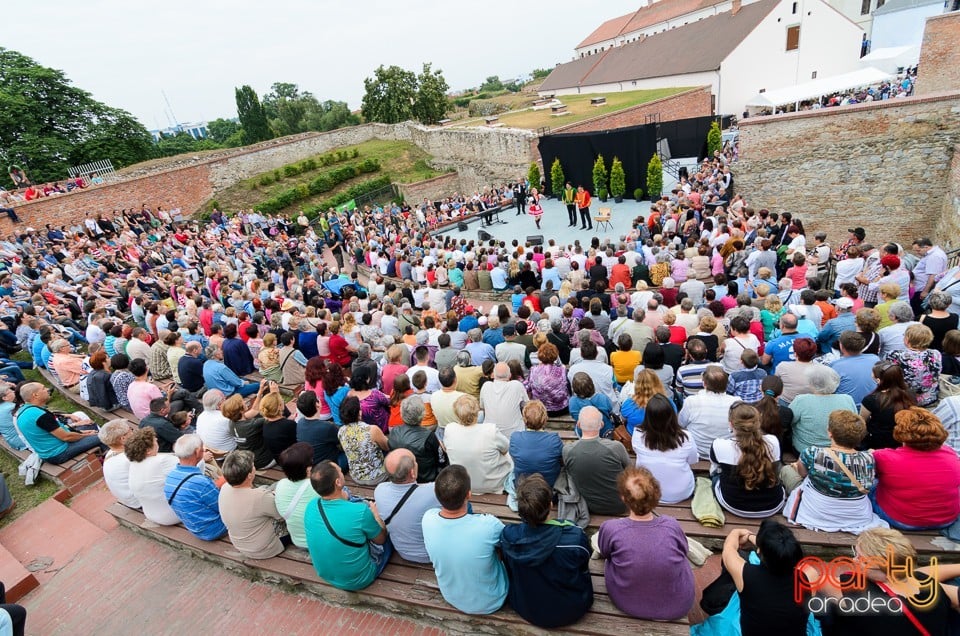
[690, 376]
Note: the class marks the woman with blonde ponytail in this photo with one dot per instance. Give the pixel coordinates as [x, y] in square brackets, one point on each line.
[745, 467]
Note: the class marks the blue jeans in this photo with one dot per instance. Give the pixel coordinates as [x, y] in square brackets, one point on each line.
[13, 372]
[76, 448]
[248, 389]
[896, 524]
[380, 554]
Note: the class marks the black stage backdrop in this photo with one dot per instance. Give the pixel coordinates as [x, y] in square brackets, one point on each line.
[634, 146]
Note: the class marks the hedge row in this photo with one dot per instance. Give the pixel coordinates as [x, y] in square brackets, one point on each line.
[323, 183]
[353, 192]
[307, 165]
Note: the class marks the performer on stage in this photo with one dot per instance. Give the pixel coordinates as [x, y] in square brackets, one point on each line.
[583, 204]
[520, 196]
[535, 210]
[570, 200]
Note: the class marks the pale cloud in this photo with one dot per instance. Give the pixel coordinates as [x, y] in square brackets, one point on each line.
[125, 53]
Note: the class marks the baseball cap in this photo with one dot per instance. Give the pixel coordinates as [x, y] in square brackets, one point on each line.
[844, 303]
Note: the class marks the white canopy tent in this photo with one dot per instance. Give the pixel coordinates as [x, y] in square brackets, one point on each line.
[892, 58]
[818, 87]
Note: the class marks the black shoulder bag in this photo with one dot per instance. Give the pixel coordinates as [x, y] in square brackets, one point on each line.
[400, 503]
[180, 485]
[332, 532]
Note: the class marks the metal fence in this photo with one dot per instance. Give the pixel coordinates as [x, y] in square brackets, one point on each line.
[103, 168]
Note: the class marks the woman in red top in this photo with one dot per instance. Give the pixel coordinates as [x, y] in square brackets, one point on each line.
[339, 348]
[918, 484]
[401, 390]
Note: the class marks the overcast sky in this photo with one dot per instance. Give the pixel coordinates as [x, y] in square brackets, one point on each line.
[125, 53]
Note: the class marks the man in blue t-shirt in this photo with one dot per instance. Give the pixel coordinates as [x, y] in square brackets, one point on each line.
[780, 349]
[51, 440]
[462, 547]
[191, 494]
[854, 367]
[348, 542]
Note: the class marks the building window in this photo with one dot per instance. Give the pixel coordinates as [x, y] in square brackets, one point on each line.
[880, 3]
[794, 10]
[864, 7]
[813, 75]
[793, 38]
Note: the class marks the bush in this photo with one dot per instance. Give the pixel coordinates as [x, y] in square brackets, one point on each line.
[638, 194]
[353, 192]
[599, 175]
[291, 171]
[654, 176]
[533, 175]
[266, 179]
[486, 108]
[557, 181]
[714, 139]
[618, 180]
[322, 183]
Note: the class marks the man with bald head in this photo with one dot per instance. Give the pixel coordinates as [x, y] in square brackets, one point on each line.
[595, 463]
[502, 401]
[780, 349]
[402, 502]
[48, 436]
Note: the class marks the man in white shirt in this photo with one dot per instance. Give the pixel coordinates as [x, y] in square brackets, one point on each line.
[600, 373]
[502, 401]
[510, 349]
[706, 414]
[402, 512]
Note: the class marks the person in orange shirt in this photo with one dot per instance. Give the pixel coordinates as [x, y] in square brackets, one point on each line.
[826, 307]
[583, 204]
[620, 273]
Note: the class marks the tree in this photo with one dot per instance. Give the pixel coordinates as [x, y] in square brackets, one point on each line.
[654, 176]
[618, 180]
[540, 73]
[170, 145]
[714, 139]
[389, 95]
[47, 124]
[253, 119]
[220, 129]
[599, 176]
[492, 83]
[331, 115]
[533, 175]
[431, 102]
[556, 178]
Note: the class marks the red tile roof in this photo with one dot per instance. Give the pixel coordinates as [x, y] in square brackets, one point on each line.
[644, 17]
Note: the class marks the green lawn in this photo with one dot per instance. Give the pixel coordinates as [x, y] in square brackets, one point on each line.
[401, 160]
[579, 108]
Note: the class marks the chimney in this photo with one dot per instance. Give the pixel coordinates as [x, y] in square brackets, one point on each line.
[735, 7]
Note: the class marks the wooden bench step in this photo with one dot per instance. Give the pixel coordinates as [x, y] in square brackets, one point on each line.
[404, 588]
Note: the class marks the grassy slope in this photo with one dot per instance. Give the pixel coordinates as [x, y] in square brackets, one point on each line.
[401, 160]
[579, 108]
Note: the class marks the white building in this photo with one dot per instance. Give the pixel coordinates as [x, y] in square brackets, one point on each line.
[751, 48]
[901, 22]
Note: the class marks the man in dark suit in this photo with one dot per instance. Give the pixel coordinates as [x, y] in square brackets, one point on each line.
[520, 197]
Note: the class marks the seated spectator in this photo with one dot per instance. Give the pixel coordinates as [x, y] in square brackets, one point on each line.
[49, 435]
[246, 426]
[646, 570]
[236, 353]
[148, 473]
[404, 499]
[320, 434]
[116, 465]
[624, 360]
[293, 494]
[364, 445]
[665, 449]
[689, 380]
[892, 337]
[740, 340]
[599, 372]
[585, 394]
[502, 402]
[401, 390]
[547, 562]
[593, 463]
[216, 375]
[939, 320]
[420, 441]
[811, 411]
[478, 447]
[547, 381]
[917, 484]
[191, 494]
[8, 401]
[348, 542]
[744, 468]
[189, 367]
[463, 547]
[99, 388]
[534, 450]
[279, 432]
[335, 389]
[141, 391]
[879, 408]
[646, 385]
[920, 365]
[394, 366]
[159, 420]
[793, 373]
[249, 513]
[374, 405]
[836, 479]
[68, 366]
[212, 427]
[766, 584]
[705, 414]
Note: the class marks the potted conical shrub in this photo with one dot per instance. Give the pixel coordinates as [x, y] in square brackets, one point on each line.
[600, 178]
[618, 180]
[654, 177]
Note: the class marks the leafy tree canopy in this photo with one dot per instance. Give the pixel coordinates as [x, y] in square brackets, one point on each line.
[220, 130]
[253, 118]
[492, 83]
[394, 95]
[48, 125]
[170, 145]
[540, 73]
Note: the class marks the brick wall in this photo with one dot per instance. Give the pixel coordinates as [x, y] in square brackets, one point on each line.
[948, 226]
[884, 166]
[696, 102]
[939, 55]
[187, 188]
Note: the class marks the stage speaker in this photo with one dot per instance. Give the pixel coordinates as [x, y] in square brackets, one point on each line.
[483, 235]
[462, 226]
[535, 239]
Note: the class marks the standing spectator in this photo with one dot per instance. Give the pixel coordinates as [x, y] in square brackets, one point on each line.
[646, 570]
[595, 463]
[463, 546]
[547, 562]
